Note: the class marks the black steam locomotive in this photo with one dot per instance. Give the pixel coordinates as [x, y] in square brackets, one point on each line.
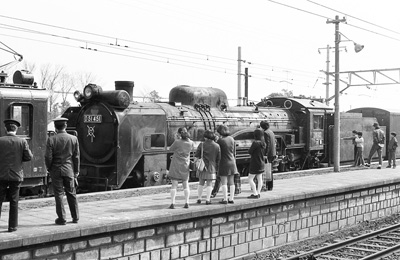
[125, 143]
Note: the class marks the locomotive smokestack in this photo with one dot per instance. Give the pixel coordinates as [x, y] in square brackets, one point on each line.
[125, 85]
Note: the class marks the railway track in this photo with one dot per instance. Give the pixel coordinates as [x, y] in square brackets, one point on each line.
[380, 244]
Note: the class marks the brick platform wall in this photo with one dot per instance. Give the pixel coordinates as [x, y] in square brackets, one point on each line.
[225, 236]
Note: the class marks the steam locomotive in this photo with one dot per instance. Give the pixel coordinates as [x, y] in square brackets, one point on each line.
[125, 143]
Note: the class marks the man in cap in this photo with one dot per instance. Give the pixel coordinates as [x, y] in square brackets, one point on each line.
[378, 142]
[13, 151]
[62, 161]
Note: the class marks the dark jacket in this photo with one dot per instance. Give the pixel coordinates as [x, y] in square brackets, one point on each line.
[211, 155]
[270, 141]
[227, 164]
[13, 151]
[378, 136]
[62, 154]
[257, 161]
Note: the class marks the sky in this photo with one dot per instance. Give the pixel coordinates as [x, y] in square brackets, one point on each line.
[162, 44]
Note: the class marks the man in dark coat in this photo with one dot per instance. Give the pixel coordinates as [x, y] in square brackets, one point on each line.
[377, 145]
[270, 151]
[62, 161]
[13, 151]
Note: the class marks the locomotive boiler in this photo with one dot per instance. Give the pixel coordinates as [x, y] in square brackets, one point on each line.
[125, 143]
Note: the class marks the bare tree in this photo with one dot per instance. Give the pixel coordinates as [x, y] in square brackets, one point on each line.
[84, 78]
[66, 88]
[50, 76]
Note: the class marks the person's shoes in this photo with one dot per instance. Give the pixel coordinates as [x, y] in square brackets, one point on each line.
[231, 202]
[367, 165]
[75, 220]
[208, 202]
[223, 202]
[379, 167]
[253, 196]
[198, 201]
[12, 229]
[172, 206]
[60, 221]
[389, 166]
[213, 195]
[186, 206]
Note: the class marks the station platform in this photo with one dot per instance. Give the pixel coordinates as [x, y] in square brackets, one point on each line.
[102, 214]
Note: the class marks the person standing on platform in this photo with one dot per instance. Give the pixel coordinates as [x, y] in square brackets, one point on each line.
[179, 168]
[352, 138]
[227, 165]
[392, 146]
[257, 163]
[211, 154]
[63, 162]
[13, 152]
[378, 143]
[359, 141]
[270, 151]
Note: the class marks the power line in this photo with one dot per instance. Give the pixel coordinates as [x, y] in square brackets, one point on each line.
[354, 17]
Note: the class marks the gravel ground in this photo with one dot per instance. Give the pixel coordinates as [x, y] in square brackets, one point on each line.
[327, 239]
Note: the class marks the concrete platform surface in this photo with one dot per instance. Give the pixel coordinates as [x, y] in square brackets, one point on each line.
[36, 225]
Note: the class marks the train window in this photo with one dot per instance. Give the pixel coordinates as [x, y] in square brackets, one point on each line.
[154, 141]
[22, 112]
[318, 122]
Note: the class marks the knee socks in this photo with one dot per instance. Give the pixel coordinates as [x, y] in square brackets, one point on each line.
[187, 195]
[173, 194]
[232, 194]
[225, 191]
[199, 191]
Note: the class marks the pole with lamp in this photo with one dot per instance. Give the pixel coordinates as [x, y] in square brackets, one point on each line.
[336, 129]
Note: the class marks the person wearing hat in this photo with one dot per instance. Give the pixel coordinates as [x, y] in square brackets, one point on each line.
[13, 152]
[392, 146]
[63, 162]
[378, 142]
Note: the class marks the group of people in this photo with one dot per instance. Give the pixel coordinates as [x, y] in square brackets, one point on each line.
[218, 154]
[378, 142]
[62, 162]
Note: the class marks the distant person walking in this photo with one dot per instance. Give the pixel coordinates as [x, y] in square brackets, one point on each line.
[270, 151]
[63, 162]
[257, 163]
[392, 146]
[13, 152]
[211, 154]
[227, 165]
[359, 143]
[179, 168]
[378, 143]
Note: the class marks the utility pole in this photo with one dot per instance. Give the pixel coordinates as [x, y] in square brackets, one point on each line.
[327, 84]
[336, 130]
[246, 86]
[239, 90]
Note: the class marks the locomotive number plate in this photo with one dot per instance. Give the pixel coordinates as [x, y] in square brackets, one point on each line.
[92, 119]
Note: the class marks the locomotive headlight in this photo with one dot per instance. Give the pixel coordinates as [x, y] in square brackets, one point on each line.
[92, 90]
[77, 95]
[88, 91]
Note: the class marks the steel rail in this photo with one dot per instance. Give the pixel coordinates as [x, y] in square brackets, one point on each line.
[323, 250]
